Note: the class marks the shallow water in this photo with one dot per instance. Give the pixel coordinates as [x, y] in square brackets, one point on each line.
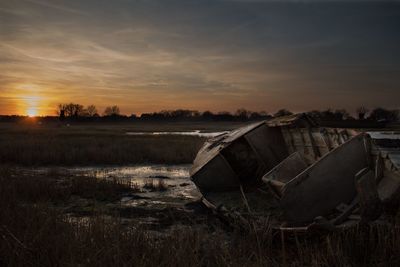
[384, 135]
[180, 189]
[197, 133]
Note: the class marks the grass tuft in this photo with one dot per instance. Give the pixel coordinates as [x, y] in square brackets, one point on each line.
[34, 232]
[156, 185]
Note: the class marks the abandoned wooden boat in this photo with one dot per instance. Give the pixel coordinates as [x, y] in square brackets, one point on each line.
[290, 170]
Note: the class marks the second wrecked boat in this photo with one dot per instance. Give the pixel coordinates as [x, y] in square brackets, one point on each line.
[296, 173]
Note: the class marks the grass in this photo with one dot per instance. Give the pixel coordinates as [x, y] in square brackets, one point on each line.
[158, 185]
[35, 231]
[53, 186]
[36, 145]
[53, 219]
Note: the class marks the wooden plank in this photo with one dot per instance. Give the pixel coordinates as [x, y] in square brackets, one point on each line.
[395, 158]
[317, 154]
[288, 140]
[325, 184]
[320, 142]
[370, 204]
[289, 168]
[368, 148]
[268, 144]
[338, 137]
[260, 159]
[226, 179]
[389, 186]
[379, 168]
[344, 134]
[346, 212]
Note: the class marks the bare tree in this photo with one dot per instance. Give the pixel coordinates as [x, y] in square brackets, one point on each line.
[381, 114]
[78, 110]
[70, 110]
[112, 111]
[243, 114]
[61, 111]
[282, 112]
[91, 111]
[361, 112]
[341, 114]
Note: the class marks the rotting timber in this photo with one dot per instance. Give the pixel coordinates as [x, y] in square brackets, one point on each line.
[300, 176]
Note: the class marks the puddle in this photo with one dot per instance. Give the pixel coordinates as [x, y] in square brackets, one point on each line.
[384, 135]
[175, 178]
[197, 133]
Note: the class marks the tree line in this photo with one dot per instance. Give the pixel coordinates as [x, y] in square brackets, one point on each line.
[76, 111]
[73, 110]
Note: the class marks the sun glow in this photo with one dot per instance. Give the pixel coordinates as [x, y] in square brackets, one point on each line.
[32, 104]
[32, 112]
[33, 100]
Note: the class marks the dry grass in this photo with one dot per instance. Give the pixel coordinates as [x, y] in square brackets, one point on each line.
[156, 185]
[35, 233]
[37, 230]
[85, 145]
[58, 187]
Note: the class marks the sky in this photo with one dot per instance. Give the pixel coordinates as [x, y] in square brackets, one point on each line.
[218, 55]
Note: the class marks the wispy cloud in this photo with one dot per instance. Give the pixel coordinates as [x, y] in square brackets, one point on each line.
[151, 55]
[60, 7]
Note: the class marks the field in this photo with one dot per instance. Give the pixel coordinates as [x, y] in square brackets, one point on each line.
[33, 144]
[53, 218]
[41, 225]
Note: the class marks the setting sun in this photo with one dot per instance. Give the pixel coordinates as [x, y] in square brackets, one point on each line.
[32, 105]
[31, 112]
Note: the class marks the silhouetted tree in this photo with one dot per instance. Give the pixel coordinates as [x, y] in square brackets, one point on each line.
[91, 111]
[254, 116]
[207, 115]
[282, 112]
[78, 110]
[61, 111]
[315, 114]
[330, 115]
[381, 114]
[242, 114]
[263, 113]
[70, 110]
[183, 114]
[327, 114]
[361, 112]
[341, 114]
[224, 115]
[112, 111]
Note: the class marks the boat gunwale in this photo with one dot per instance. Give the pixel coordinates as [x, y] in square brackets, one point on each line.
[196, 169]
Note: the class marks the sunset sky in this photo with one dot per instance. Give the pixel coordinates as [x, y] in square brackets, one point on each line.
[150, 55]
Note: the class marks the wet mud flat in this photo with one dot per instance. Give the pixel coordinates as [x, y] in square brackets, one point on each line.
[139, 216]
[157, 198]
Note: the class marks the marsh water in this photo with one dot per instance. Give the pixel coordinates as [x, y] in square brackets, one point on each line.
[197, 133]
[177, 188]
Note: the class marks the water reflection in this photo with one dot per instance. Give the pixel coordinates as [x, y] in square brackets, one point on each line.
[179, 188]
[197, 133]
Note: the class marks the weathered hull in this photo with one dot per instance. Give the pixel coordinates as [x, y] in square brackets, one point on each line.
[321, 187]
[290, 170]
[240, 157]
[243, 156]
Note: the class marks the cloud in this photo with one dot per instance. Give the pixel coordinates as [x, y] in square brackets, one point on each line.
[151, 55]
[59, 7]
